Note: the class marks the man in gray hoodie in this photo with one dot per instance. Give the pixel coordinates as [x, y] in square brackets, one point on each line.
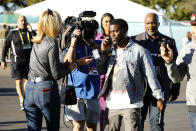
[184, 65]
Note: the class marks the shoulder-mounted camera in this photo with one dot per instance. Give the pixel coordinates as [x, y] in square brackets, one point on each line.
[85, 23]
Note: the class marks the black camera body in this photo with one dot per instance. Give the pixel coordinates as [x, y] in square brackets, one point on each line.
[86, 26]
[87, 14]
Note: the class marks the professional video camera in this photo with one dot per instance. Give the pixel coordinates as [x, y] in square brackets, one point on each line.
[84, 22]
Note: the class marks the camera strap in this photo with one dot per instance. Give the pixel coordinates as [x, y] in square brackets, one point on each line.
[86, 50]
[86, 42]
[63, 36]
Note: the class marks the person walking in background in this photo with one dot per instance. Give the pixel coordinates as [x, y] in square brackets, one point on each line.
[3, 31]
[3, 35]
[86, 82]
[8, 29]
[42, 94]
[19, 40]
[151, 39]
[187, 40]
[126, 70]
[184, 65]
[105, 27]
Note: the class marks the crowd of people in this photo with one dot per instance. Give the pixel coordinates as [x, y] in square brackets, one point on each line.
[131, 76]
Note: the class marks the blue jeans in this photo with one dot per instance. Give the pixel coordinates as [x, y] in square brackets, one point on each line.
[42, 99]
[156, 118]
[192, 117]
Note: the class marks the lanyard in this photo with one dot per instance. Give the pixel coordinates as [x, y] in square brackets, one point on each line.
[28, 37]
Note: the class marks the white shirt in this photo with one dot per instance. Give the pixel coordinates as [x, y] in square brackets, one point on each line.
[118, 97]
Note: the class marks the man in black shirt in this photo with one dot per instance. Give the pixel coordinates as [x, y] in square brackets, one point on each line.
[152, 39]
[19, 40]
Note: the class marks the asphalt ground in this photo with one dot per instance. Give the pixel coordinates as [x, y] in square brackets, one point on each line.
[12, 119]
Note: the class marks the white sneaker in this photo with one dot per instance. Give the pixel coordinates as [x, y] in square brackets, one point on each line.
[21, 104]
[21, 107]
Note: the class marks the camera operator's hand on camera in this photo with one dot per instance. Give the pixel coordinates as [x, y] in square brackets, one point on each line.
[105, 45]
[85, 60]
[166, 55]
[76, 32]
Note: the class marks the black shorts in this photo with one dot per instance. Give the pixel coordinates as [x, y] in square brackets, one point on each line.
[19, 70]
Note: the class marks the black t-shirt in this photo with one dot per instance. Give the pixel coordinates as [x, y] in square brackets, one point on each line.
[20, 43]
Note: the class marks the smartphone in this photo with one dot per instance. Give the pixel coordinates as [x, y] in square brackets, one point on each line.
[109, 41]
[102, 37]
[165, 42]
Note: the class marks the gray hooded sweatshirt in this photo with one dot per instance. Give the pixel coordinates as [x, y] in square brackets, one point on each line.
[185, 65]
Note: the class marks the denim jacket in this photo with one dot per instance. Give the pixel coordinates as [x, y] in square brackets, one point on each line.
[137, 65]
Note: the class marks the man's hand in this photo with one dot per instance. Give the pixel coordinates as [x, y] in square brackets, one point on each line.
[173, 98]
[81, 61]
[85, 60]
[174, 91]
[3, 65]
[166, 55]
[76, 32]
[104, 45]
[160, 105]
[29, 28]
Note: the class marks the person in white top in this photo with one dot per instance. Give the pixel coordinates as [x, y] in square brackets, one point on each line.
[187, 40]
[184, 66]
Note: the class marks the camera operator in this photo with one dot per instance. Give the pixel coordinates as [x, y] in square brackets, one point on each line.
[85, 79]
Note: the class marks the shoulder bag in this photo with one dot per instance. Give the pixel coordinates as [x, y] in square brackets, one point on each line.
[67, 93]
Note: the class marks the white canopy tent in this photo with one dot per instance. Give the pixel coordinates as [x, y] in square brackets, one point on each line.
[129, 11]
[125, 9]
